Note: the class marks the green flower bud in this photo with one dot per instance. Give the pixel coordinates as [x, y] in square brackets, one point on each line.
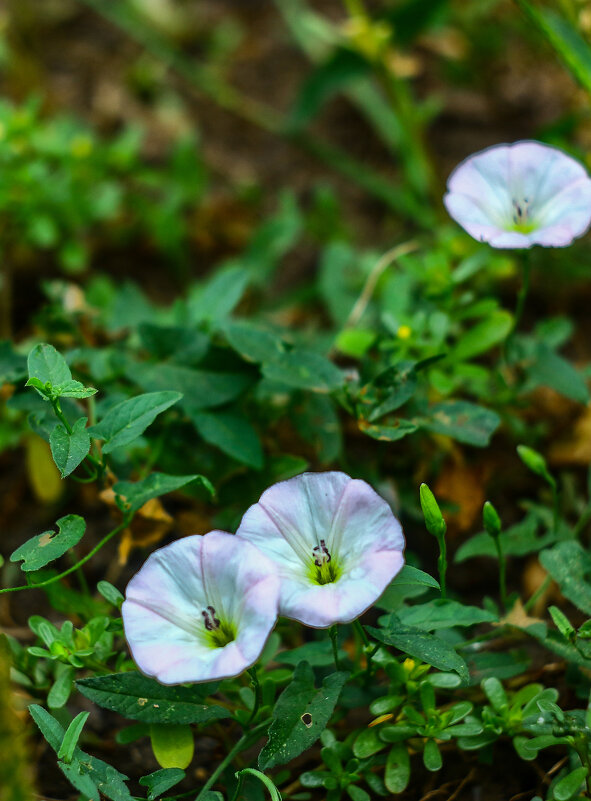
[434, 521]
[491, 519]
[536, 463]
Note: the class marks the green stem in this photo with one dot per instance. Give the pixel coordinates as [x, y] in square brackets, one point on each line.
[582, 522]
[369, 651]
[124, 523]
[333, 634]
[538, 593]
[521, 298]
[442, 565]
[252, 672]
[241, 745]
[502, 571]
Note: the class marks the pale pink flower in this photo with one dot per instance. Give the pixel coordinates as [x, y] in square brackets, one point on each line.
[200, 609]
[519, 195]
[334, 542]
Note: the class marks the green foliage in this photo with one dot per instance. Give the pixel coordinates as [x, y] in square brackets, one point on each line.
[140, 698]
[45, 548]
[289, 735]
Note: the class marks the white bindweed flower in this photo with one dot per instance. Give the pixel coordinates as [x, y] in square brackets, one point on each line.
[519, 195]
[335, 544]
[200, 609]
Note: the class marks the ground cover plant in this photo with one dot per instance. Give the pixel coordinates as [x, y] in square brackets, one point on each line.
[295, 420]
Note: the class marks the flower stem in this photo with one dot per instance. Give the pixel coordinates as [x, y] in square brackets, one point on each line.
[502, 571]
[333, 634]
[252, 672]
[241, 745]
[521, 298]
[369, 651]
[442, 565]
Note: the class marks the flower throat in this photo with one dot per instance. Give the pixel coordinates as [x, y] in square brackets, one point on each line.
[323, 569]
[218, 632]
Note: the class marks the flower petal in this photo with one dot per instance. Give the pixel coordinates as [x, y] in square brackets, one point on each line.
[519, 195]
[358, 528]
[162, 613]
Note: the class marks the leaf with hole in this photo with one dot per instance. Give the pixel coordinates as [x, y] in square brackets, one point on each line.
[44, 548]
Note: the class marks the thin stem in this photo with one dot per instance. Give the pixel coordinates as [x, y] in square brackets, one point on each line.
[376, 273]
[537, 594]
[582, 522]
[502, 571]
[521, 298]
[241, 745]
[333, 634]
[369, 651]
[5, 298]
[252, 672]
[442, 565]
[124, 523]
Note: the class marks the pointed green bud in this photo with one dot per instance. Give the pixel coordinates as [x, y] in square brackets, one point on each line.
[434, 521]
[536, 463]
[491, 519]
[562, 623]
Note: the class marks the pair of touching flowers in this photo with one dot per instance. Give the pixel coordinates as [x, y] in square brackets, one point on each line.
[319, 548]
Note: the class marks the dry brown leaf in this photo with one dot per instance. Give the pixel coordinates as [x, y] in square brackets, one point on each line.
[575, 448]
[462, 485]
[519, 617]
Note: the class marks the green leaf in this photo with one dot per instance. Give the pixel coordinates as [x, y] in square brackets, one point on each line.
[568, 563]
[552, 370]
[444, 614]
[78, 778]
[253, 342]
[219, 296]
[13, 366]
[432, 756]
[161, 780]
[289, 736]
[44, 548]
[565, 39]
[48, 725]
[139, 698]
[73, 389]
[133, 494]
[273, 791]
[355, 342]
[173, 744]
[201, 389]
[182, 345]
[483, 336]
[84, 771]
[389, 433]
[495, 692]
[341, 68]
[397, 773]
[71, 737]
[61, 687]
[69, 450]
[130, 418]
[419, 644]
[49, 366]
[232, 434]
[566, 787]
[305, 369]
[464, 421]
[412, 576]
[368, 743]
[110, 593]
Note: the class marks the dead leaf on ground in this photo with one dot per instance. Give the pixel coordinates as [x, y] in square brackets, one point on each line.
[575, 448]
